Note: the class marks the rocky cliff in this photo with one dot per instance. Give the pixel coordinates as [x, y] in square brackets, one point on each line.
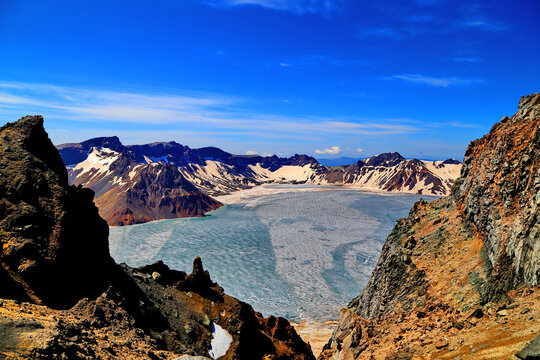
[458, 278]
[63, 297]
[54, 244]
[498, 193]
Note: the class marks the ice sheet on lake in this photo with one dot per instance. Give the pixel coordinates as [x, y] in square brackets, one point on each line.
[297, 255]
[304, 235]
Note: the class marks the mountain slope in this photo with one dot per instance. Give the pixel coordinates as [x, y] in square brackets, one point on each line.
[63, 297]
[392, 172]
[139, 183]
[128, 192]
[459, 276]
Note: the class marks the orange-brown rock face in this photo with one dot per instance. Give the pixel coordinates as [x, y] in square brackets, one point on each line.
[152, 193]
[458, 278]
[499, 193]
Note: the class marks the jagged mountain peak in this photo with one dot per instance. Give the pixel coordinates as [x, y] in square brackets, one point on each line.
[385, 159]
[111, 142]
[528, 102]
[451, 161]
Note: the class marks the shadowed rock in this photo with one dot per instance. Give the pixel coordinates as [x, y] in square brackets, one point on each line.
[54, 244]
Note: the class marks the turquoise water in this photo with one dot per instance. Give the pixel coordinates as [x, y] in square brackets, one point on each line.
[301, 255]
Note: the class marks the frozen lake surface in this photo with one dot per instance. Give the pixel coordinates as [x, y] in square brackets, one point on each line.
[300, 255]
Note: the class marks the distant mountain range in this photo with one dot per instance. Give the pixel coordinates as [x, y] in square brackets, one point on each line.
[139, 183]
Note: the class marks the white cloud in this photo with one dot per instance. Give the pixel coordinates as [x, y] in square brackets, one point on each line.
[251, 152]
[483, 24]
[467, 59]
[282, 64]
[295, 6]
[333, 150]
[359, 150]
[434, 81]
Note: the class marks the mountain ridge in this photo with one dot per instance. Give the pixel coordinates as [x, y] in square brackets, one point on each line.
[214, 172]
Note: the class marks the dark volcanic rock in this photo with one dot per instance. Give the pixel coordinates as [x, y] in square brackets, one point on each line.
[54, 244]
[55, 254]
[386, 159]
[192, 303]
[156, 192]
[76, 152]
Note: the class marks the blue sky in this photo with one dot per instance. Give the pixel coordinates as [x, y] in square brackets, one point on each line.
[322, 77]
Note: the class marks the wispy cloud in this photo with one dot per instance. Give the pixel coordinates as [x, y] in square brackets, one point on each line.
[295, 6]
[359, 150]
[428, 17]
[387, 32]
[212, 115]
[308, 61]
[333, 150]
[471, 59]
[483, 24]
[434, 81]
[455, 124]
[251, 152]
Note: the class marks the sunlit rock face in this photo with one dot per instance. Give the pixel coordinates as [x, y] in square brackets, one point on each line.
[499, 192]
[454, 267]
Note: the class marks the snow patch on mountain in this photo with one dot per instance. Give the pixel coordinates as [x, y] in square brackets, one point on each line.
[99, 160]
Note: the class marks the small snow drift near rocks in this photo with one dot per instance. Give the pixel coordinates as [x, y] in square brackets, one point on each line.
[220, 343]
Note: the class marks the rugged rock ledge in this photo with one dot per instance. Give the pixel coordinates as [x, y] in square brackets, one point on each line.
[459, 276]
[63, 297]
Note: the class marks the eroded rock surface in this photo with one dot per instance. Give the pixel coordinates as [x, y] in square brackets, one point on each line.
[458, 278]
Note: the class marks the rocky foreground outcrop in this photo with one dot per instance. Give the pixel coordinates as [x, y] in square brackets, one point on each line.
[458, 278]
[63, 297]
[54, 244]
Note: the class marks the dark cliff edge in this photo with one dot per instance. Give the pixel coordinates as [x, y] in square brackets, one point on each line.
[63, 297]
[54, 244]
[459, 277]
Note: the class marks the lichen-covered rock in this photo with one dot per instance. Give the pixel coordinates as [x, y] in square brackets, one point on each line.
[499, 193]
[531, 351]
[447, 272]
